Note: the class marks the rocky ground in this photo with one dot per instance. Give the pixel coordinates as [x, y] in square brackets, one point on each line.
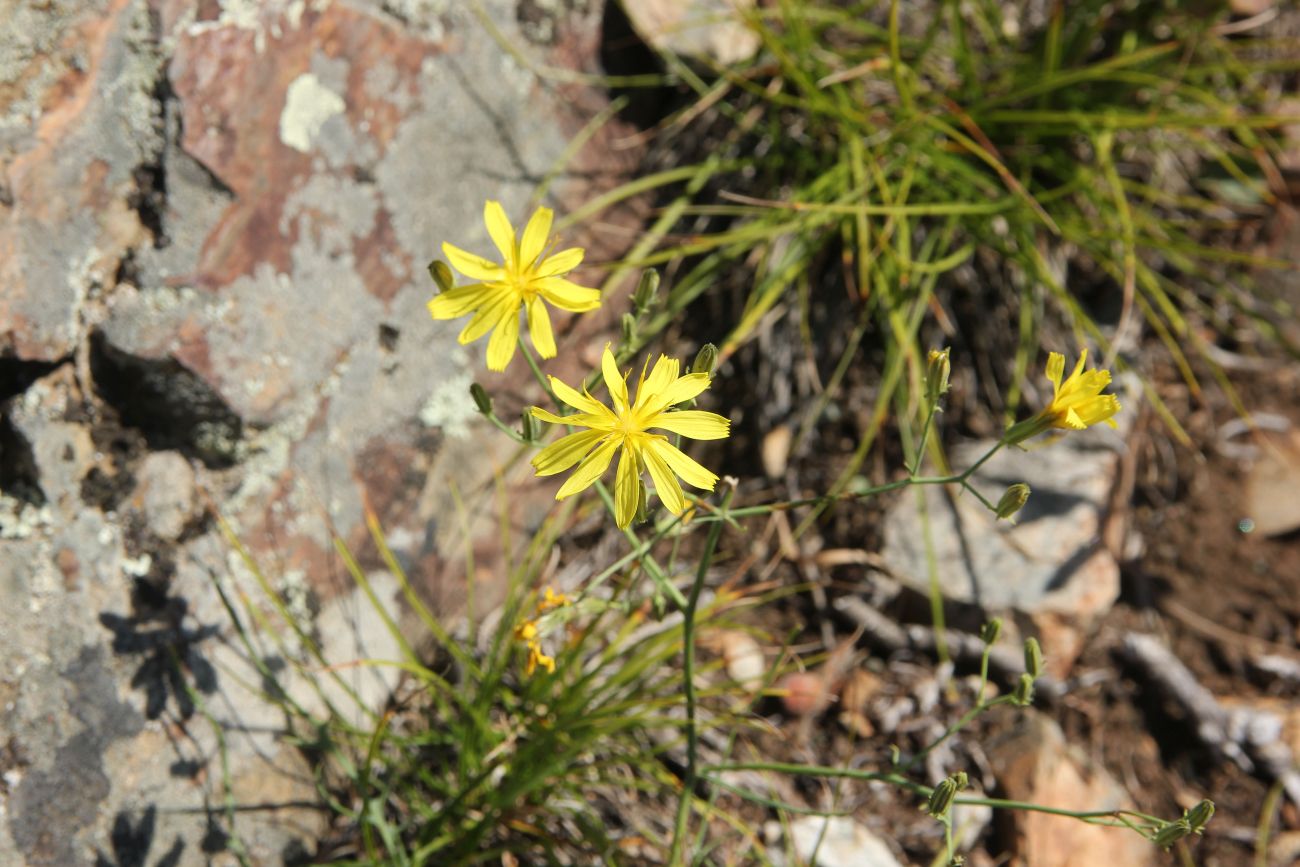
[214, 224]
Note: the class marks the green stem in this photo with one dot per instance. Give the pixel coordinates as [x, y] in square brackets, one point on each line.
[896, 60]
[647, 562]
[925, 438]
[975, 466]
[506, 429]
[537, 373]
[960, 724]
[688, 683]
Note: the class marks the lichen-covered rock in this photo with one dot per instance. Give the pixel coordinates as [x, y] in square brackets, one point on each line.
[213, 237]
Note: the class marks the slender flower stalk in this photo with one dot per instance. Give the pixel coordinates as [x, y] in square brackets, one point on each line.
[626, 429]
[526, 279]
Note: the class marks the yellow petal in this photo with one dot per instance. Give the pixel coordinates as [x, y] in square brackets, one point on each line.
[1072, 420]
[627, 489]
[694, 423]
[663, 374]
[567, 295]
[535, 235]
[591, 468]
[580, 401]
[539, 327]
[1055, 369]
[691, 472]
[460, 301]
[614, 380]
[503, 234]
[473, 267]
[565, 452]
[682, 389]
[665, 482]
[501, 305]
[501, 348]
[561, 263]
[580, 419]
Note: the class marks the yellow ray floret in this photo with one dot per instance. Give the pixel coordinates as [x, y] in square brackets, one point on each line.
[625, 429]
[526, 279]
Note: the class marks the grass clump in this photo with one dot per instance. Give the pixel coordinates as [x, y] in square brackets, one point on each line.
[1091, 169]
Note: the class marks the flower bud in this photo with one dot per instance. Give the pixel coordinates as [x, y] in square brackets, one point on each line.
[1013, 500]
[646, 290]
[942, 797]
[1171, 832]
[441, 275]
[705, 359]
[1199, 816]
[629, 329]
[481, 399]
[1024, 694]
[990, 631]
[1033, 658]
[529, 429]
[937, 368]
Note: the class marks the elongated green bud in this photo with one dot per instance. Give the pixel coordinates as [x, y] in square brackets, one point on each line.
[530, 429]
[646, 290]
[942, 797]
[1024, 694]
[629, 329]
[1033, 658]
[1013, 500]
[1172, 832]
[442, 275]
[1199, 816]
[705, 360]
[937, 368]
[990, 631]
[481, 399]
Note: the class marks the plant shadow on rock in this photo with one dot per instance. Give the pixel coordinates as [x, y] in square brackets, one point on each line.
[168, 650]
[131, 843]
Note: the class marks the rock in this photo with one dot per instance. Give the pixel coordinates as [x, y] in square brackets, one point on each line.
[1052, 564]
[214, 225]
[1034, 763]
[701, 29]
[165, 494]
[83, 76]
[1272, 507]
[838, 841]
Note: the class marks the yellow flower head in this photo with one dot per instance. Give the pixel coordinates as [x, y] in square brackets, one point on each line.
[551, 599]
[537, 657]
[524, 279]
[1077, 403]
[626, 427]
[528, 634]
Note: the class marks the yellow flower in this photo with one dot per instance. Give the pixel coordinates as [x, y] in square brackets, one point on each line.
[626, 427]
[527, 633]
[552, 600]
[1077, 403]
[525, 279]
[536, 657]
